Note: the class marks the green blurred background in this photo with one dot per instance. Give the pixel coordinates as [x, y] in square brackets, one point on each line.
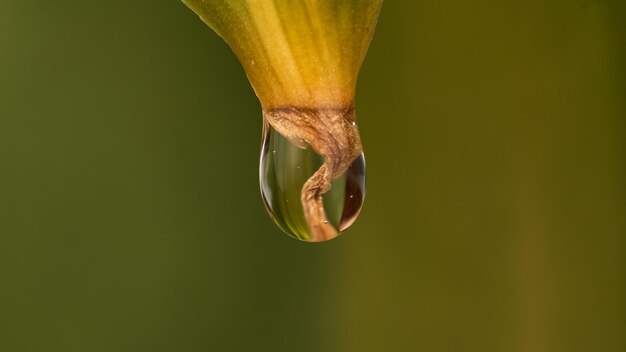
[130, 214]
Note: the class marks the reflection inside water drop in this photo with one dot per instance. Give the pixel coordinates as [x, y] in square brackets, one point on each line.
[283, 171]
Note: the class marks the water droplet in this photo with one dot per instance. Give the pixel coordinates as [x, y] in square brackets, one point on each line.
[283, 174]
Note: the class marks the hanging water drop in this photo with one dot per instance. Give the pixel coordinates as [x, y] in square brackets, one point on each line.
[283, 176]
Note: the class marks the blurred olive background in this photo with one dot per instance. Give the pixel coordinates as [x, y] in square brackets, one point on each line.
[131, 220]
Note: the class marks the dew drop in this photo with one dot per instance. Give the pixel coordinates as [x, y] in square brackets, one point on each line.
[284, 169]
